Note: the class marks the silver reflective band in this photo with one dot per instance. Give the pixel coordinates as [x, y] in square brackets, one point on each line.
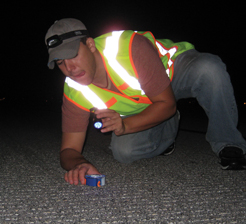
[170, 52]
[52, 42]
[110, 52]
[78, 32]
[88, 93]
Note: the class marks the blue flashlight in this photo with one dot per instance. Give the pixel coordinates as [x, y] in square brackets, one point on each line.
[97, 123]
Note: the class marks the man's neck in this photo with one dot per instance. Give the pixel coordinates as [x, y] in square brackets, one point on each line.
[101, 77]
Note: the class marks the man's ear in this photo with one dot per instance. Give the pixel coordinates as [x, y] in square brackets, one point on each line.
[91, 44]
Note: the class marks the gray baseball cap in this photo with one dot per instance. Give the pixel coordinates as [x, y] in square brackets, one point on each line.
[63, 39]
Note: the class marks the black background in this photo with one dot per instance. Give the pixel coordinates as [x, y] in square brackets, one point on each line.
[212, 27]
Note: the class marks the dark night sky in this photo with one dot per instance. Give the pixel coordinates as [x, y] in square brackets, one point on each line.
[213, 28]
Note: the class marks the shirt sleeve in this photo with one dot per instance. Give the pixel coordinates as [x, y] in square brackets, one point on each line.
[151, 71]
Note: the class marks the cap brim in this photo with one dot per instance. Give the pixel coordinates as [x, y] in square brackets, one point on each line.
[64, 51]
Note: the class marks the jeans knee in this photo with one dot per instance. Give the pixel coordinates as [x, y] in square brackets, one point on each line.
[211, 72]
[120, 151]
[212, 66]
[144, 144]
[122, 155]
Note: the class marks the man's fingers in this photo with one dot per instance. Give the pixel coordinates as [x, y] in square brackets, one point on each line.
[105, 113]
[72, 177]
[82, 173]
[75, 176]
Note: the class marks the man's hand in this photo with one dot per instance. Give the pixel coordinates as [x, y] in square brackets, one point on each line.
[77, 174]
[111, 121]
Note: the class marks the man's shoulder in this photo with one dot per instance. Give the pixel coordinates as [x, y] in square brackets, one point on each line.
[138, 38]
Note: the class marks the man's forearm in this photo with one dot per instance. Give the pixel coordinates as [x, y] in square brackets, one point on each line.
[69, 158]
[153, 115]
[162, 108]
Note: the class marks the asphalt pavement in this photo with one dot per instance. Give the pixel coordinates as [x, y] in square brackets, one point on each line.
[187, 186]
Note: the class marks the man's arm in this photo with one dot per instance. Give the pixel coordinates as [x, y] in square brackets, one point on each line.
[72, 160]
[162, 108]
[71, 147]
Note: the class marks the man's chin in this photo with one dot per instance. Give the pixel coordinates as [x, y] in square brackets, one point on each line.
[82, 82]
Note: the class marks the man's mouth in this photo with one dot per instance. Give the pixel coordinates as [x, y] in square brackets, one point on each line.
[79, 75]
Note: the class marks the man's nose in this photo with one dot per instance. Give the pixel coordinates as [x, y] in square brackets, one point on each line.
[69, 65]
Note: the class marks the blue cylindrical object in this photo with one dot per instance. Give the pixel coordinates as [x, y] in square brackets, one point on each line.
[95, 180]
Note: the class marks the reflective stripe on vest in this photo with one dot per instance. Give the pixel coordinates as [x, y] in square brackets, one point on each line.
[88, 93]
[169, 53]
[110, 52]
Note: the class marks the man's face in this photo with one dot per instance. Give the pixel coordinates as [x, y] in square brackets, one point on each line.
[81, 68]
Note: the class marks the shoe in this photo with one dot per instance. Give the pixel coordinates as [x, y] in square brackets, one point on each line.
[169, 150]
[232, 158]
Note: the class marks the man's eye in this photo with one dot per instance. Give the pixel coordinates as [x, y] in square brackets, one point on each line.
[59, 62]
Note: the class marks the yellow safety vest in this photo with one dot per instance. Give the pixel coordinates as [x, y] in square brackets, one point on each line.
[115, 49]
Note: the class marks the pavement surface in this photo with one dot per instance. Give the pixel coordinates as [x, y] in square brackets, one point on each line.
[187, 186]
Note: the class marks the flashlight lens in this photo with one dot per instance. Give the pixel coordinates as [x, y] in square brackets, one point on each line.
[98, 124]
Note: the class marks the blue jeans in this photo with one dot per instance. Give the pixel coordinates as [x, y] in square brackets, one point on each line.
[204, 77]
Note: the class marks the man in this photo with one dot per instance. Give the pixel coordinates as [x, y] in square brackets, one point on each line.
[134, 80]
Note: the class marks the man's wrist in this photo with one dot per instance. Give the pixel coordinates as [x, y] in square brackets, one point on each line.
[70, 158]
[68, 149]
